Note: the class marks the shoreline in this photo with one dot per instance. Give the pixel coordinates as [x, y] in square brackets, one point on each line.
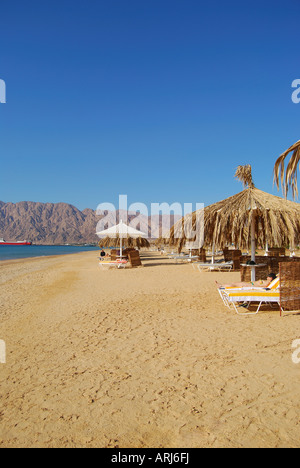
[21, 259]
[28, 259]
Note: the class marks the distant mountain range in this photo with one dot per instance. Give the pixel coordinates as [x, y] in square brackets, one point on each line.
[61, 223]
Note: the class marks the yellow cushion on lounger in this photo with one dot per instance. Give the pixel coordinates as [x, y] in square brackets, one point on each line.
[274, 284]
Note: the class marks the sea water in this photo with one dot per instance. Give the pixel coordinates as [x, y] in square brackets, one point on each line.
[11, 252]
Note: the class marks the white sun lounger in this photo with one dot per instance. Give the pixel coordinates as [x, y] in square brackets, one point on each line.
[234, 297]
[185, 258]
[112, 264]
[214, 266]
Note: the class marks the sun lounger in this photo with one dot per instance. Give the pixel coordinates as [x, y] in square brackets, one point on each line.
[284, 291]
[239, 297]
[176, 255]
[215, 266]
[134, 261]
[172, 255]
[113, 264]
[185, 258]
[134, 258]
[244, 297]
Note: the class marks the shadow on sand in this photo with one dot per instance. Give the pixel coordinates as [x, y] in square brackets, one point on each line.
[159, 261]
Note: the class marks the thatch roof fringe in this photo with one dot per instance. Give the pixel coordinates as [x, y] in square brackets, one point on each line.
[138, 242]
[288, 179]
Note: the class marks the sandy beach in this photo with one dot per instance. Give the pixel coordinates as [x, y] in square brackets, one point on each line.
[145, 357]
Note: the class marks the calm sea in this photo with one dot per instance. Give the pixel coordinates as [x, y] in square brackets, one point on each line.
[10, 252]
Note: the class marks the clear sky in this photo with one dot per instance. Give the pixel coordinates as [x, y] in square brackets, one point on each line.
[156, 99]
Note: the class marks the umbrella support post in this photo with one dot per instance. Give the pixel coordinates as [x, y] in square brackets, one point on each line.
[213, 254]
[253, 276]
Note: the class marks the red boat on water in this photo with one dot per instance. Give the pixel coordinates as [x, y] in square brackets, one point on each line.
[3, 242]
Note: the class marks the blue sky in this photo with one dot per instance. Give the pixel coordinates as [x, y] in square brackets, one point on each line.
[159, 100]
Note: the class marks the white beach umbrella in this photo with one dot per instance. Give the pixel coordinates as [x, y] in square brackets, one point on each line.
[122, 231]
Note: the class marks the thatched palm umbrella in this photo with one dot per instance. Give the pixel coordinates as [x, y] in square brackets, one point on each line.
[288, 178]
[138, 242]
[249, 217]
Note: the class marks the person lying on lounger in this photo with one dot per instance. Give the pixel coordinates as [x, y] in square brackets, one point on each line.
[255, 284]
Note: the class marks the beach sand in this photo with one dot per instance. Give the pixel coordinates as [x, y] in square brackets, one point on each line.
[145, 357]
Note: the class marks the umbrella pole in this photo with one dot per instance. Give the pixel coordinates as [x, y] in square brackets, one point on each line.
[253, 247]
[267, 249]
[121, 240]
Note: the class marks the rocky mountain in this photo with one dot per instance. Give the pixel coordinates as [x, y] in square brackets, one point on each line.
[61, 223]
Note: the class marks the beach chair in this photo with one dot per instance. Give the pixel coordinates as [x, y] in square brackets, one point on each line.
[134, 258]
[227, 266]
[113, 264]
[289, 273]
[234, 256]
[276, 252]
[185, 258]
[113, 255]
[171, 255]
[284, 291]
[238, 297]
